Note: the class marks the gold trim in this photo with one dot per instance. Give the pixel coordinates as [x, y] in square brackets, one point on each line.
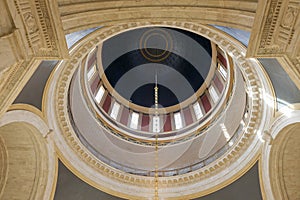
[40, 114]
[224, 184]
[122, 195]
[261, 180]
[279, 132]
[4, 165]
[89, 181]
[246, 139]
[43, 157]
[30, 108]
[54, 185]
[275, 161]
[143, 45]
[111, 13]
[165, 110]
[46, 90]
[163, 140]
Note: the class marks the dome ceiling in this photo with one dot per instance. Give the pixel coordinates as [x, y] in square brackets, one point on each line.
[181, 60]
[192, 139]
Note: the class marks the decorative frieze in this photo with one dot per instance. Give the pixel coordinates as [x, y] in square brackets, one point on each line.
[36, 34]
[33, 35]
[42, 32]
[276, 33]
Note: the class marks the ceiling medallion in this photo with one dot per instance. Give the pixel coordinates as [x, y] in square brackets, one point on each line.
[156, 44]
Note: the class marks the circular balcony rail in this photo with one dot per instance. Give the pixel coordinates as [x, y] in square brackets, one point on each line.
[137, 125]
[167, 172]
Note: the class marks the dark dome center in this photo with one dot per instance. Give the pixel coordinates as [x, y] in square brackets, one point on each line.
[180, 59]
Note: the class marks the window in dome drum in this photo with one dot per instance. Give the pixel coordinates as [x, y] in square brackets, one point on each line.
[124, 116]
[91, 72]
[218, 83]
[222, 71]
[92, 59]
[100, 94]
[222, 59]
[213, 93]
[106, 104]
[145, 122]
[167, 123]
[115, 110]
[95, 84]
[187, 116]
[205, 102]
[155, 124]
[197, 110]
[178, 120]
[134, 122]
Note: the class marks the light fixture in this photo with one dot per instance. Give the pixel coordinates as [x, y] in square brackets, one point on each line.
[156, 197]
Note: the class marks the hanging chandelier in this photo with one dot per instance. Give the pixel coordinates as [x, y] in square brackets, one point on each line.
[156, 197]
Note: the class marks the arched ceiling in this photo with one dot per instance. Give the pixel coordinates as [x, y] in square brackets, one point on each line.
[27, 99]
[82, 14]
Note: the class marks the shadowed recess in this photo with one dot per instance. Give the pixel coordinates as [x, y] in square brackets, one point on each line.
[181, 60]
[132, 59]
[144, 96]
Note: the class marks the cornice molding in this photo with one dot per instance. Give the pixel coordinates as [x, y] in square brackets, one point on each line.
[271, 180]
[37, 35]
[86, 14]
[41, 26]
[276, 33]
[220, 173]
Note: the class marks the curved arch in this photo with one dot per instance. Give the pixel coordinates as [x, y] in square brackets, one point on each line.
[3, 165]
[86, 14]
[190, 185]
[273, 153]
[30, 151]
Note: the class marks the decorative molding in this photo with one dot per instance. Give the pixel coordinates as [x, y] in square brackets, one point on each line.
[12, 83]
[43, 34]
[37, 35]
[3, 165]
[47, 162]
[173, 108]
[87, 14]
[269, 174]
[181, 135]
[31, 153]
[276, 33]
[245, 150]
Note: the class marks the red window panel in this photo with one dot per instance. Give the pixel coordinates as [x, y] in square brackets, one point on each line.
[95, 84]
[124, 116]
[205, 102]
[167, 123]
[92, 59]
[222, 59]
[106, 104]
[218, 83]
[145, 122]
[187, 116]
